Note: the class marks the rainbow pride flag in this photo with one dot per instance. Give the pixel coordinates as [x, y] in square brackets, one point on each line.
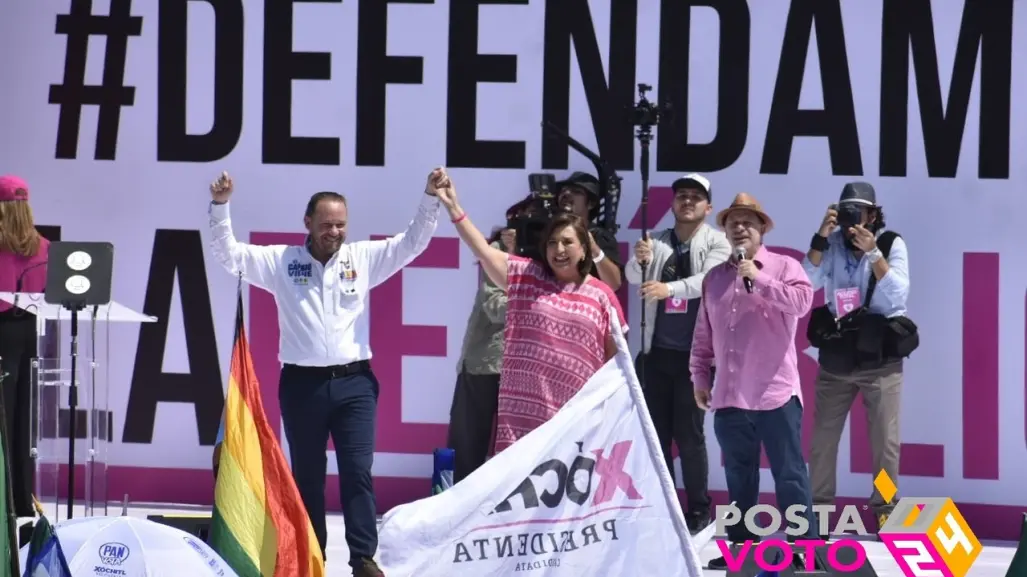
[260, 526]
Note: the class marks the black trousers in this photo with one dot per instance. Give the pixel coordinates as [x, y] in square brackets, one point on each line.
[472, 421]
[17, 348]
[669, 394]
[320, 401]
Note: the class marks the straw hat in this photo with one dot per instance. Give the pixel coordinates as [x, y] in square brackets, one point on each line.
[744, 201]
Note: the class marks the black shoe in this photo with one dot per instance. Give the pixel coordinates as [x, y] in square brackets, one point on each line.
[367, 568]
[697, 522]
[717, 564]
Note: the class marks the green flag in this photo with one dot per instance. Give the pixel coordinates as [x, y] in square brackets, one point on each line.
[45, 557]
[41, 533]
[8, 535]
[1018, 568]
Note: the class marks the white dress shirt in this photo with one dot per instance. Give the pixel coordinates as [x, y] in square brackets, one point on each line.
[322, 309]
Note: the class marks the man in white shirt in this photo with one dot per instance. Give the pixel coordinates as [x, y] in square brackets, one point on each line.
[326, 385]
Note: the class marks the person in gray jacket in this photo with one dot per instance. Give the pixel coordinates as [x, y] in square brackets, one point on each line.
[676, 261]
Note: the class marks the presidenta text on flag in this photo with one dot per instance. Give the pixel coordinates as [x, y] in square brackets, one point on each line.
[587, 493]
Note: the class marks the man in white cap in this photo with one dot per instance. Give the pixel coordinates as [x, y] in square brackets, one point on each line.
[677, 260]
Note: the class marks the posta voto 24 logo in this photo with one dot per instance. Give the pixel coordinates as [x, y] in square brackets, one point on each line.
[927, 536]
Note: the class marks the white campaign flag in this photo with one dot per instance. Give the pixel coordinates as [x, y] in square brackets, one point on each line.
[587, 493]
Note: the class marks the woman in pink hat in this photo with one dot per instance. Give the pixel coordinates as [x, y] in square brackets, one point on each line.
[23, 256]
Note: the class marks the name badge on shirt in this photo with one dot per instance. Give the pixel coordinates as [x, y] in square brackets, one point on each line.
[846, 300]
[300, 272]
[348, 278]
[675, 306]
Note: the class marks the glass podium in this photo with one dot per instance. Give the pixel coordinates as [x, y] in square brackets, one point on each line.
[51, 384]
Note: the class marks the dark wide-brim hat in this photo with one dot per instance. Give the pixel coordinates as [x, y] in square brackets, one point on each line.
[860, 193]
[745, 201]
[582, 180]
[519, 207]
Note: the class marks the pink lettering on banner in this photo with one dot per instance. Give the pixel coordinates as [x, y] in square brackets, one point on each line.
[391, 340]
[980, 365]
[612, 475]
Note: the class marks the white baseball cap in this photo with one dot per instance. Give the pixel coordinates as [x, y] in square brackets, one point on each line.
[691, 181]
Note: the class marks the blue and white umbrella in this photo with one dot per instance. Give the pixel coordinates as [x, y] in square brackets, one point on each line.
[133, 547]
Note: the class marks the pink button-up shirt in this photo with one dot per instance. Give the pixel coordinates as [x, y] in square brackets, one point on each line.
[751, 336]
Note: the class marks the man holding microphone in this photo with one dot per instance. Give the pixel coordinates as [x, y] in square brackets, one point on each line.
[326, 386]
[748, 315]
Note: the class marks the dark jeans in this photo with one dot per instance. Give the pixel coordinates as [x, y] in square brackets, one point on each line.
[472, 421]
[317, 402]
[740, 434]
[669, 395]
[17, 347]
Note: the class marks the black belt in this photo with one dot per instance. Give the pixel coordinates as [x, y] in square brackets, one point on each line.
[331, 371]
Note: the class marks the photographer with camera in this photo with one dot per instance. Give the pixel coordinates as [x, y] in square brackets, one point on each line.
[862, 334]
[679, 258]
[579, 195]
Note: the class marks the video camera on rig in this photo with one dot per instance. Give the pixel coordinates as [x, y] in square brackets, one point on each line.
[534, 213]
[530, 217]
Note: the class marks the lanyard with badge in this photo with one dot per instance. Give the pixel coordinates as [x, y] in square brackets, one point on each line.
[849, 299]
[676, 305]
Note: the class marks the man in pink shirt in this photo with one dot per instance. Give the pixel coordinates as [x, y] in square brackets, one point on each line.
[748, 315]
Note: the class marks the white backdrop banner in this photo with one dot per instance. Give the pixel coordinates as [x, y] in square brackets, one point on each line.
[587, 493]
[120, 120]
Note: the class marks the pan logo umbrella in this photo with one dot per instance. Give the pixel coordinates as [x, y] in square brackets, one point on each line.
[113, 553]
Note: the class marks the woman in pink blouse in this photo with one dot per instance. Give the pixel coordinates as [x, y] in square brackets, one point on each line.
[23, 256]
[558, 319]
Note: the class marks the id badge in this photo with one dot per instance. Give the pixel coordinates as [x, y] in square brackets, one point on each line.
[348, 279]
[846, 300]
[675, 306]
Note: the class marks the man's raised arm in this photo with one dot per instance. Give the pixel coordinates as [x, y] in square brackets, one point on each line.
[257, 264]
[386, 257]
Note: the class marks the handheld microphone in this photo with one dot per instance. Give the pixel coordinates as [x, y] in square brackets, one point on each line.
[740, 256]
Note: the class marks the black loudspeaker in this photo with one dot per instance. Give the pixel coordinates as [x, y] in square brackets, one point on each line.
[79, 274]
[196, 525]
[844, 556]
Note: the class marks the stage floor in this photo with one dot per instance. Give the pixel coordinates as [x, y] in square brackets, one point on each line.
[993, 561]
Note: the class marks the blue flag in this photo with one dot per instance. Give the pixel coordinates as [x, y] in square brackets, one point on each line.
[45, 558]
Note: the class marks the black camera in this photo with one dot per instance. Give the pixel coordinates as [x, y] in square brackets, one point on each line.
[531, 217]
[849, 215]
